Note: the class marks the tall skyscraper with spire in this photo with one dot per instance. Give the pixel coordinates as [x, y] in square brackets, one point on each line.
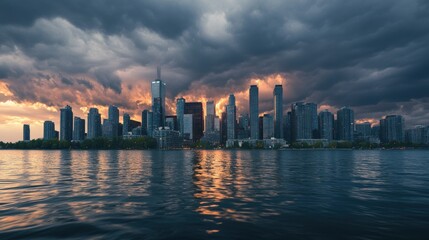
[254, 111]
[158, 101]
[278, 111]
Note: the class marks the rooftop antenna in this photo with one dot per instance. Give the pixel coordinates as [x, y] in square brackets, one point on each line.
[158, 72]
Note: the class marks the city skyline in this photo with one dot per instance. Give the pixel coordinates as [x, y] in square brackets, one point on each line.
[54, 56]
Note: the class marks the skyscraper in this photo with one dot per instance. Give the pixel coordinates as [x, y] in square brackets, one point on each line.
[287, 123]
[66, 123]
[144, 122]
[114, 120]
[196, 109]
[345, 124]
[230, 117]
[188, 126]
[278, 111]
[180, 111]
[392, 129]
[268, 126]
[26, 132]
[210, 115]
[254, 111]
[326, 125]
[126, 124]
[149, 123]
[363, 131]
[48, 130]
[94, 123]
[223, 128]
[158, 100]
[79, 129]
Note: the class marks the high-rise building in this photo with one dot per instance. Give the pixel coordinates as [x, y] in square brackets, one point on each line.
[180, 111]
[48, 130]
[304, 122]
[326, 125]
[254, 111]
[243, 130]
[94, 123]
[287, 123]
[311, 121]
[26, 132]
[114, 120]
[268, 126]
[392, 129]
[196, 109]
[126, 124]
[345, 124]
[216, 123]
[417, 135]
[66, 123]
[188, 129]
[210, 115]
[158, 101]
[231, 118]
[108, 128]
[278, 111]
[145, 122]
[223, 128]
[363, 131]
[79, 129]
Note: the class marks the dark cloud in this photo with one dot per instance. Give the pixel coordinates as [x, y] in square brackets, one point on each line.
[371, 55]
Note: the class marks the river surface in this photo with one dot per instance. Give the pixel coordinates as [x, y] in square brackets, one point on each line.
[316, 194]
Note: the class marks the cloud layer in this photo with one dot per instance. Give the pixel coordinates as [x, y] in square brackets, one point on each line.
[370, 55]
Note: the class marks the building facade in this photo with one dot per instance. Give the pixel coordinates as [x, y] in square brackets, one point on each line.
[254, 111]
[278, 111]
[48, 130]
[66, 123]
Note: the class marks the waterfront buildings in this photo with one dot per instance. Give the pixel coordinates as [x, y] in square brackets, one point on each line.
[254, 111]
[114, 121]
[345, 124]
[278, 111]
[66, 123]
[196, 109]
[180, 111]
[94, 123]
[268, 125]
[210, 116]
[326, 125]
[231, 117]
[48, 130]
[392, 129]
[79, 129]
[26, 132]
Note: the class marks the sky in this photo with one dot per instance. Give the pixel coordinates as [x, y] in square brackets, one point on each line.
[370, 55]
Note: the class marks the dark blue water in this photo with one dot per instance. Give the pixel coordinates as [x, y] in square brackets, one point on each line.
[214, 194]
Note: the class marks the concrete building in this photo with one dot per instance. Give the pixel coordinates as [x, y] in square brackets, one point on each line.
[94, 124]
[392, 129]
[326, 125]
[180, 111]
[48, 130]
[363, 131]
[278, 111]
[254, 111]
[210, 116]
[79, 129]
[268, 125]
[231, 117]
[66, 123]
[168, 139]
[345, 124]
[114, 120]
[26, 132]
[196, 109]
[188, 130]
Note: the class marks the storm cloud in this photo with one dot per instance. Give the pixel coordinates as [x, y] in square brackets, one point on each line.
[370, 55]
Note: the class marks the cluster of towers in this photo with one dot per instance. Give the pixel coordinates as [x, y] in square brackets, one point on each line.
[301, 123]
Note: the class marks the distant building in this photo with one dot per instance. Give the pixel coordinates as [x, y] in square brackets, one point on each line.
[167, 138]
[196, 109]
[217, 123]
[268, 125]
[171, 122]
[326, 125]
[278, 111]
[26, 132]
[243, 130]
[363, 131]
[158, 101]
[94, 124]
[145, 122]
[417, 135]
[66, 123]
[223, 128]
[188, 129]
[392, 129]
[107, 129]
[126, 124]
[210, 116]
[287, 126]
[254, 111]
[304, 121]
[79, 129]
[48, 130]
[114, 120]
[150, 123]
[231, 117]
[345, 124]
[180, 111]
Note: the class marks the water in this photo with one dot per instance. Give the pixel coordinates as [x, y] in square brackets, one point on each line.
[214, 194]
